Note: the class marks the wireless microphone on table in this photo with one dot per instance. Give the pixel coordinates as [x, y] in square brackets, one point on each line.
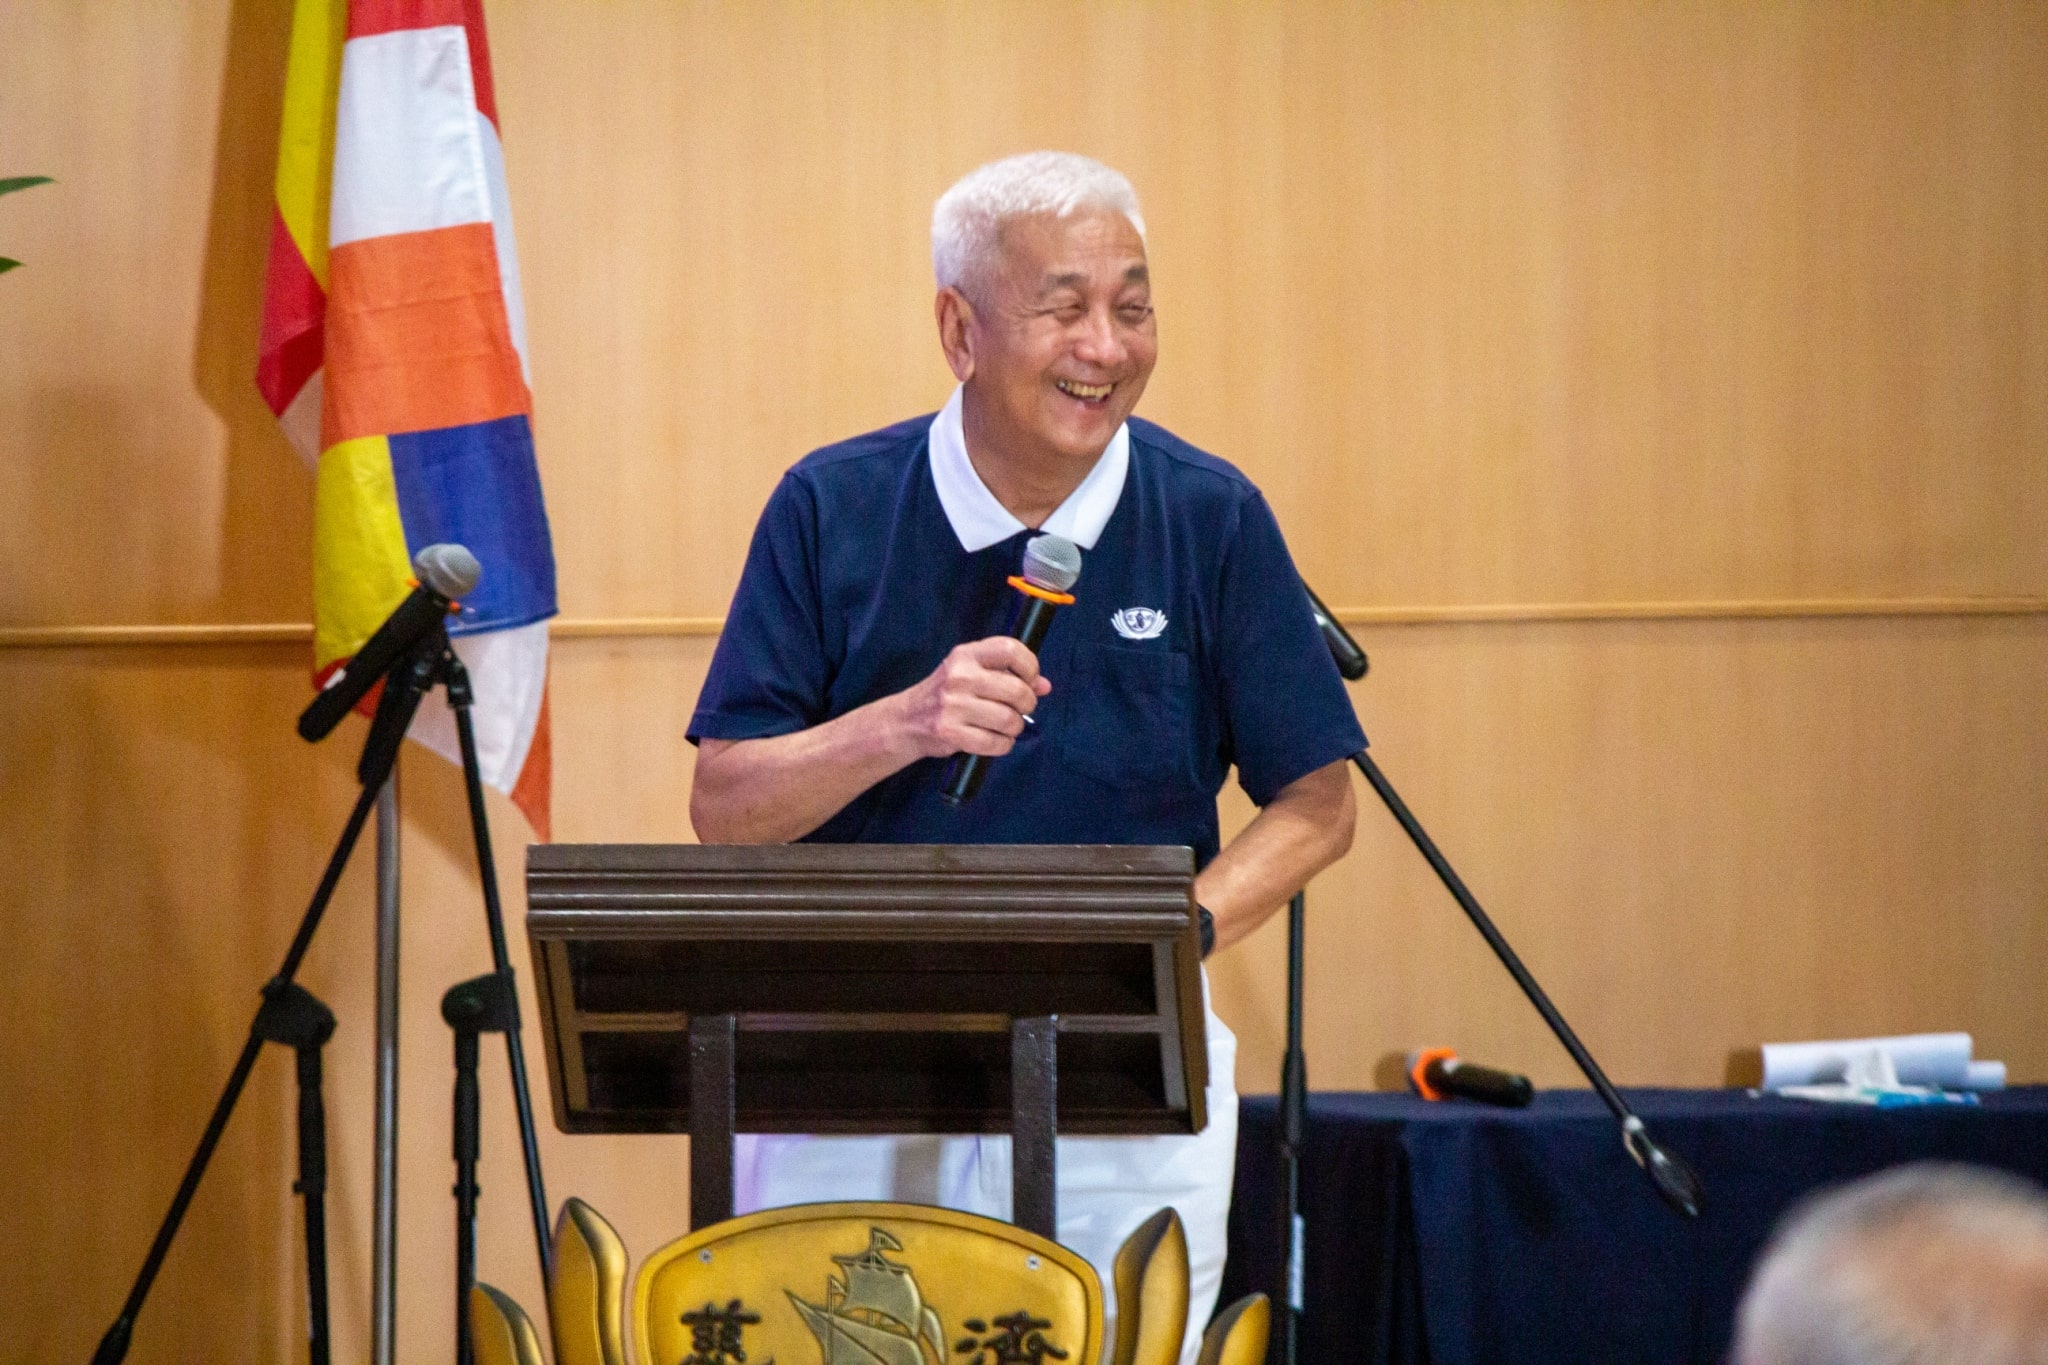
[1437, 1072]
[1052, 565]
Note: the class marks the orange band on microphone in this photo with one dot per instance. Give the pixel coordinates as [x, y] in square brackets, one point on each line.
[1419, 1073]
[1030, 589]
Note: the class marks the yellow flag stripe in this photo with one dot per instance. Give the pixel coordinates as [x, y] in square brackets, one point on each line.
[305, 147]
[360, 566]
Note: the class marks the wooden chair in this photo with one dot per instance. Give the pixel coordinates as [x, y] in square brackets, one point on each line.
[587, 1293]
[905, 1284]
[500, 1333]
[1151, 1278]
[861, 1283]
[1238, 1334]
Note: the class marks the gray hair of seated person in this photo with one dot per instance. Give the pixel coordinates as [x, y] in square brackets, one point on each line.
[1927, 1264]
[967, 220]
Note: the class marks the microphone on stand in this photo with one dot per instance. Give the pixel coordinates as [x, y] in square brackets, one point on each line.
[1351, 660]
[1052, 565]
[1436, 1073]
[446, 573]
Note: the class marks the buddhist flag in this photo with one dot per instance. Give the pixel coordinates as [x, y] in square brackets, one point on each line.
[393, 352]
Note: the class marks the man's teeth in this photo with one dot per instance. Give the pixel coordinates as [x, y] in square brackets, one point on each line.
[1086, 391]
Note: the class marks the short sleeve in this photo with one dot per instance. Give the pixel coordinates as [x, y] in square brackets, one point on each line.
[1285, 704]
[769, 674]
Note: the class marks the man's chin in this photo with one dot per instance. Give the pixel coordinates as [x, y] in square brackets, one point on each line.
[1085, 434]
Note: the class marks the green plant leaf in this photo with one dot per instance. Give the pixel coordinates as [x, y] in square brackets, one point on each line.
[22, 182]
[7, 265]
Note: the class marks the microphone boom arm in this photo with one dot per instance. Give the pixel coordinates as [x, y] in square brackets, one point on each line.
[1675, 1182]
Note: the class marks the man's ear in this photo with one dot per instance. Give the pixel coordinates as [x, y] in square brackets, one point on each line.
[956, 331]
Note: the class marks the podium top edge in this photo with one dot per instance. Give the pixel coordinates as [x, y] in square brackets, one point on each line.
[1068, 860]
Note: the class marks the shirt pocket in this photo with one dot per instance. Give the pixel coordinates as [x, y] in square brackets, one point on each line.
[1128, 716]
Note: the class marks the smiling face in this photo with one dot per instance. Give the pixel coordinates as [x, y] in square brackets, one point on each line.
[1056, 352]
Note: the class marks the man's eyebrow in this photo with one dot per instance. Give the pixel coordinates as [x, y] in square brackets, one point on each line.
[1075, 279]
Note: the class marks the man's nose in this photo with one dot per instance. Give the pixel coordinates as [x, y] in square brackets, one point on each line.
[1100, 343]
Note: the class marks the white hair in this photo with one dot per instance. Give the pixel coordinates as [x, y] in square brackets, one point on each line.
[1927, 1264]
[967, 220]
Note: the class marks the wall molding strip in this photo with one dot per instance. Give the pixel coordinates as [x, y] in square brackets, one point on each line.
[1508, 613]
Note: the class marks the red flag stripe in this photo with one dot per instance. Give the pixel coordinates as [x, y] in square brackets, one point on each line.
[289, 345]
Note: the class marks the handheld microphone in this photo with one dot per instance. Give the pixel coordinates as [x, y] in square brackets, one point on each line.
[1052, 565]
[1351, 660]
[1436, 1072]
[446, 572]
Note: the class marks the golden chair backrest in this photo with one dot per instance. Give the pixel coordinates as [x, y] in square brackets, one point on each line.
[857, 1283]
[1238, 1334]
[587, 1292]
[500, 1333]
[1151, 1278]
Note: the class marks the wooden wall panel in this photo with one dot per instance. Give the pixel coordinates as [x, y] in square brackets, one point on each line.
[1699, 836]
[1780, 829]
[1522, 303]
[1532, 304]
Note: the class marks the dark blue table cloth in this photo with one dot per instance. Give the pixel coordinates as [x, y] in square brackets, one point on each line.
[1455, 1233]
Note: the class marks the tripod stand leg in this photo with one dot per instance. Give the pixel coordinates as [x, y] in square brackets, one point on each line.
[459, 698]
[312, 1186]
[485, 1004]
[113, 1347]
[466, 1123]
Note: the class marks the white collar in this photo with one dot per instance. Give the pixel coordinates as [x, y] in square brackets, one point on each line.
[980, 521]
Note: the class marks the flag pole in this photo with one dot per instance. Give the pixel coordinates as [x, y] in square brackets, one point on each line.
[384, 1227]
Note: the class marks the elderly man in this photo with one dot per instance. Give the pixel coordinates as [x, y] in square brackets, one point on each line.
[1927, 1264]
[866, 646]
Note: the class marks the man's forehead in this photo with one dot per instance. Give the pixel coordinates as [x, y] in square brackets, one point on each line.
[1051, 253]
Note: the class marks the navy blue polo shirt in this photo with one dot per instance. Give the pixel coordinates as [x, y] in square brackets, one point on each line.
[1189, 649]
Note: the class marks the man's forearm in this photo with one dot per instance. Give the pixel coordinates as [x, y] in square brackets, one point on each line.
[770, 791]
[1300, 832]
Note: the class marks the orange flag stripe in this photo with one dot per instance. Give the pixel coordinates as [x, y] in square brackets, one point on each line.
[416, 336]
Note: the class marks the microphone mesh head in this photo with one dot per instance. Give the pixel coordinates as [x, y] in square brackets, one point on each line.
[449, 570]
[1051, 562]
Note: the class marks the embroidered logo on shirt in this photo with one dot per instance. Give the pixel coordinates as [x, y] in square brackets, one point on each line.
[1139, 623]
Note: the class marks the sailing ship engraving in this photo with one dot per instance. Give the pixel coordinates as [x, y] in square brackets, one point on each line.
[873, 1312]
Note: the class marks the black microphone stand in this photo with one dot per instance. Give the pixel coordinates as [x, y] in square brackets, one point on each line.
[484, 1004]
[1675, 1182]
[290, 1015]
[434, 662]
[1293, 1118]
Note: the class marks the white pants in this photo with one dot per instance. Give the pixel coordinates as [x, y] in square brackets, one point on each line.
[1106, 1186]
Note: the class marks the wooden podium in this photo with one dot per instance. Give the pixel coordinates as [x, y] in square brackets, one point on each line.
[869, 988]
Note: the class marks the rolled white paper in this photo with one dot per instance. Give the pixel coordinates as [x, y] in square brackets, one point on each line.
[1938, 1059]
[1985, 1076]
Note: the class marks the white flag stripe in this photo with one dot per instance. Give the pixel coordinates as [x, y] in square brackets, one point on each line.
[501, 237]
[509, 671]
[407, 157]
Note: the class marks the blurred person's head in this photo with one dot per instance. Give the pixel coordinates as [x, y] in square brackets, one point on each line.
[1928, 1264]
